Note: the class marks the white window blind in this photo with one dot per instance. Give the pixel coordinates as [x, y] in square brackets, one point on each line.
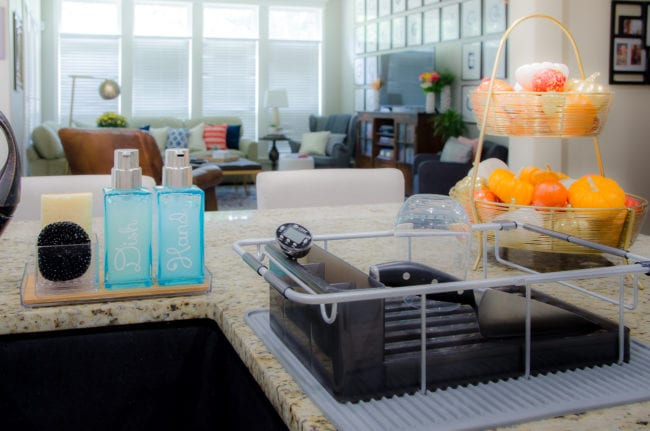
[229, 80]
[161, 77]
[88, 56]
[295, 66]
[89, 45]
[162, 58]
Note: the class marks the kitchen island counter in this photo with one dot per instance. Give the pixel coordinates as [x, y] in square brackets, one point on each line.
[236, 289]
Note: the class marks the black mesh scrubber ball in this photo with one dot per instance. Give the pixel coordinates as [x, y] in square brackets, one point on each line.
[70, 256]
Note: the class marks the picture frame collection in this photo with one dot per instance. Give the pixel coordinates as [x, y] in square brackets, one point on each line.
[629, 43]
[393, 25]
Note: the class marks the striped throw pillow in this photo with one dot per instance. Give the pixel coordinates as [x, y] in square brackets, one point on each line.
[215, 136]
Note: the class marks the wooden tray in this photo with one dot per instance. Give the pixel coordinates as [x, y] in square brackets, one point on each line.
[30, 298]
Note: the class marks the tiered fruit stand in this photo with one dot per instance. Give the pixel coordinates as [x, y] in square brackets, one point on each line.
[568, 114]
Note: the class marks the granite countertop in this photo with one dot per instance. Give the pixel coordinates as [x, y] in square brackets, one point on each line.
[236, 289]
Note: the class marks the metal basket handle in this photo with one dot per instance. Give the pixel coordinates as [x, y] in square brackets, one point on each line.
[483, 127]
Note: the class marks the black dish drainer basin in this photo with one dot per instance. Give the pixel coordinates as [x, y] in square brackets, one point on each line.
[373, 348]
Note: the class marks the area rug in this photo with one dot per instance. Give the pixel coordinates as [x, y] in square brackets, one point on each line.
[234, 197]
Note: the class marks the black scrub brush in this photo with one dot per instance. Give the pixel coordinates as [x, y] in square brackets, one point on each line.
[63, 251]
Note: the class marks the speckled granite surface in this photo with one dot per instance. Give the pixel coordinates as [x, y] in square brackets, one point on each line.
[236, 288]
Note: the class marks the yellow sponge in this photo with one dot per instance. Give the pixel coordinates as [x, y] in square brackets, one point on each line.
[74, 207]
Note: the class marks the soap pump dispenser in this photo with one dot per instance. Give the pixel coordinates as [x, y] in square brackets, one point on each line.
[180, 207]
[127, 224]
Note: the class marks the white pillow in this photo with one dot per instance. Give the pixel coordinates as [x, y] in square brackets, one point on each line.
[335, 138]
[196, 142]
[456, 151]
[314, 143]
[160, 136]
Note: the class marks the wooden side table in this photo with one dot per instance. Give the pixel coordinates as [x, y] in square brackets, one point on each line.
[274, 154]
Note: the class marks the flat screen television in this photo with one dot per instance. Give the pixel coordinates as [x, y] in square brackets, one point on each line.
[399, 72]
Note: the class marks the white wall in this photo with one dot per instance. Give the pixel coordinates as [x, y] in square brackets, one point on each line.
[623, 141]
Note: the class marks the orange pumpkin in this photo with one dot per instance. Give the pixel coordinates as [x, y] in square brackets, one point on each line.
[509, 188]
[485, 194]
[550, 194]
[578, 117]
[596, 191]
[535, 175]
[499, 85]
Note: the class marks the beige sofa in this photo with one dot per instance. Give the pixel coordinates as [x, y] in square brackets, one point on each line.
[45, 155]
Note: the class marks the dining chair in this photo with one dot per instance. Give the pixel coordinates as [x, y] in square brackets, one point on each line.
[328, 187]
[31, 189]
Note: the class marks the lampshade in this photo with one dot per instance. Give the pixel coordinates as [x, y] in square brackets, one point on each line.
[276, 99]
[109, 89]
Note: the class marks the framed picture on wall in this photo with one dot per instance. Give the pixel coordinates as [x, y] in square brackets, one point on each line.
[449, 22]
[360, 40]
[470, 18]
[359, 71]
[384, 7]
[630, 26]
[371, 9]
[490, 48]
[466, 100]
[431, 26]
[494, 16]
[359, 99]
[471, 61]
[371, 37]
[2, 33]
[384, 35]
[359, 11]
[371, 69]
[629, 55]
[647, 30]
[629, 43]
[399, 32]
[18, 52]
[414, 32]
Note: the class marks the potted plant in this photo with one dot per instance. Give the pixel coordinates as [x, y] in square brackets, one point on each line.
[448, 124]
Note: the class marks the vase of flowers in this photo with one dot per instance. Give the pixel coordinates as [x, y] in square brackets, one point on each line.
[111, 119]
[437, 86]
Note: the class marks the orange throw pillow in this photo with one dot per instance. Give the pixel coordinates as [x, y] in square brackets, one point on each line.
[215, 136]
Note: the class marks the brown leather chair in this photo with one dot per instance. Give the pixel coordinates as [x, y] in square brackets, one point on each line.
[90, 151]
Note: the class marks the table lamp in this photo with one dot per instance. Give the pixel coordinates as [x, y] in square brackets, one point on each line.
[276, 99]
[108, 90]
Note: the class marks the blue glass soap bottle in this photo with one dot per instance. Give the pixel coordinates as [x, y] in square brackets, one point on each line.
[180, 206]
[127, 225]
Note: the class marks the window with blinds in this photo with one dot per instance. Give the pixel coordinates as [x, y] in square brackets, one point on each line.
[161, 59]
[89, 47]
[294, 64]
[166, 51]
[229, 69]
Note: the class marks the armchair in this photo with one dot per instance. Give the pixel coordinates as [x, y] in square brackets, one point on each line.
[430, 175]
[339, 149]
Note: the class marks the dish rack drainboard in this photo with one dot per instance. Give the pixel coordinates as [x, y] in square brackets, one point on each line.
[480, 406]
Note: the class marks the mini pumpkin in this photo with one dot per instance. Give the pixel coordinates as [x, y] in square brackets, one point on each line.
[596, 191]
[509, 188]
[550, 194]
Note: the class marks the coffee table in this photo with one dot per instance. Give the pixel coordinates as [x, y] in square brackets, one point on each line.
[244, 167]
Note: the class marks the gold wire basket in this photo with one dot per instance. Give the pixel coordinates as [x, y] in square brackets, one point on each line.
[528, 113]
[547, 115]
